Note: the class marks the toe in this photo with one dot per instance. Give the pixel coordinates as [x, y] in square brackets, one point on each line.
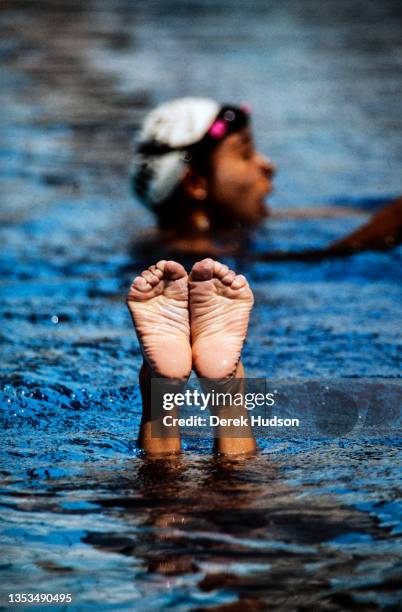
[239, 281]
[220, 269]
[151, 278]
[228, 278]
[156, 271]
[161, 265]
[141, 283]
[203, 270]
[174, 270]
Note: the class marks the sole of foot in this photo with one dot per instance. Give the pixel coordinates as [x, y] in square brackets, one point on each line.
[158, 303]
[220, 305]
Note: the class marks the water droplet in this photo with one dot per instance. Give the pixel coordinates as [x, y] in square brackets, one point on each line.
[9, 391]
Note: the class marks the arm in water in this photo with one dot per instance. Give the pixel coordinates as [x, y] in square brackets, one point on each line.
[382, 232]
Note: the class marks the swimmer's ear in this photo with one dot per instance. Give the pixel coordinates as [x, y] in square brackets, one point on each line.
[195, 185]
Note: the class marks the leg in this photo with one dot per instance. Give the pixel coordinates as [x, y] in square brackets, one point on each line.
[158, 303]
[234, 440]
[220, 305]
[151, 444]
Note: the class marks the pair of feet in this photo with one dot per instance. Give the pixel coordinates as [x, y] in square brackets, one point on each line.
[190, 321]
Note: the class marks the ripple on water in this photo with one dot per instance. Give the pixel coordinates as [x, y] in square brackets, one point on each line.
[82, 511]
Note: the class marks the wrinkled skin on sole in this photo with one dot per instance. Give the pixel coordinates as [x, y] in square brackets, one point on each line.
[220, 305]
[158, 303]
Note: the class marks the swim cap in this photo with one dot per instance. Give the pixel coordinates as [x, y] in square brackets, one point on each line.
[173, 134]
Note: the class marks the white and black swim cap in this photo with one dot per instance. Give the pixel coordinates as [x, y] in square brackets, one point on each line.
[173, 134]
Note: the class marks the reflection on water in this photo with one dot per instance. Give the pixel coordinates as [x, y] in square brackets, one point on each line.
[307, 524]
[195, 531]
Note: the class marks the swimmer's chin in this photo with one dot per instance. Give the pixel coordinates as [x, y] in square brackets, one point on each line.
[264, 212]
[267, 211]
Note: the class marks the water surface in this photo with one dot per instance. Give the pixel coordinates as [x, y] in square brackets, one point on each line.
[310, 523]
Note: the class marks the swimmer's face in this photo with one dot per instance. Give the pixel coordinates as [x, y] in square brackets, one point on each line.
[240, 179]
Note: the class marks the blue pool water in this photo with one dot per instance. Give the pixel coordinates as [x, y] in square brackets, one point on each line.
[310, 523]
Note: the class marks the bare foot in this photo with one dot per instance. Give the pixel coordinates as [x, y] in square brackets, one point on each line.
[158, 303]
[220, 304]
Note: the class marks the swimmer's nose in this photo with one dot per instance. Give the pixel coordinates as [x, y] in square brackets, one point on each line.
[267, 166]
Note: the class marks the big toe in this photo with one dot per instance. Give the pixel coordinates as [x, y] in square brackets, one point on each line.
[203, 270]
[172, 270]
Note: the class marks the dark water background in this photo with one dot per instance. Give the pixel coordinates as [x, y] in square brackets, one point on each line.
[312, 524]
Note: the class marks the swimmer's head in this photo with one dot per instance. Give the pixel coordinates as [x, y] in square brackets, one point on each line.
[196, 166]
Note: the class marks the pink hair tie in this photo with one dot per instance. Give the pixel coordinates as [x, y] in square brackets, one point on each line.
[218, 129]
